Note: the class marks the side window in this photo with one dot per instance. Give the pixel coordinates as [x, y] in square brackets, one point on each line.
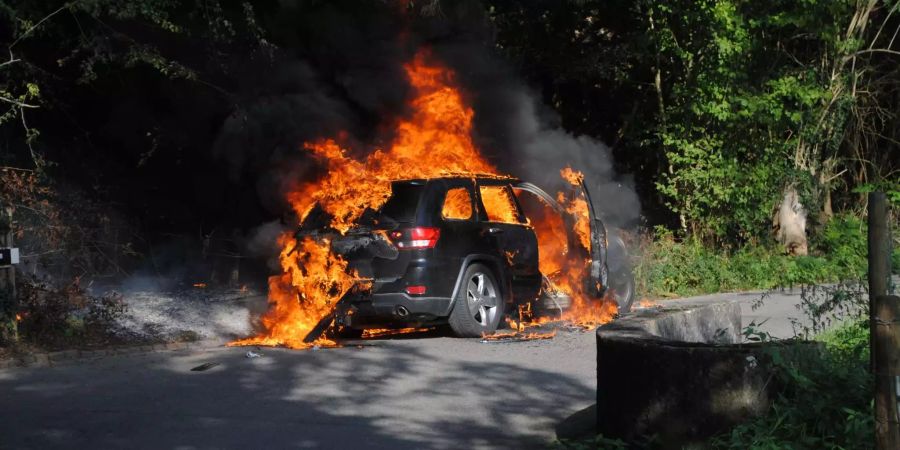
[457, 204]
[499, 204]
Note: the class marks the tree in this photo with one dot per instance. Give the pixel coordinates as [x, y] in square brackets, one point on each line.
[735, 101]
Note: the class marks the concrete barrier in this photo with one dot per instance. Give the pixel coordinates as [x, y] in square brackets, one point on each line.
[680, 373]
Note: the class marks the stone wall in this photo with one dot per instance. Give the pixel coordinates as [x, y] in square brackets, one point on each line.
[680, 373]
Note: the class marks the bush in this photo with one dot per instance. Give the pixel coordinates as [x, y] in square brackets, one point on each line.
[826, 400]
[67, 316]
[844, 243]
[665, 267]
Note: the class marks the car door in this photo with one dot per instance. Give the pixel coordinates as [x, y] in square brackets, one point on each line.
[503, 221]
[597, 279]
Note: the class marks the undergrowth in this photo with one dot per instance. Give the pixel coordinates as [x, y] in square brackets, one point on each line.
[666, 267]
[826, 400]
[53, 316]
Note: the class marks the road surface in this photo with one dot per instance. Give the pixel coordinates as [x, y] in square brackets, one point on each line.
[418, 391]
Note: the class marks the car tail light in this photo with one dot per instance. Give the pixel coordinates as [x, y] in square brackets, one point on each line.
[415, 290]
[419, 237]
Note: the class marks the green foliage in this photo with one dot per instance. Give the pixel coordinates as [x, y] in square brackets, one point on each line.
[844, 242]
[734, 112]
[891, 188]
[848, 342]
[825, 400]
[666, 267]
[726, 103]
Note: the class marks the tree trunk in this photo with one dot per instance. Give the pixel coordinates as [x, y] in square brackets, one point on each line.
[789, 223]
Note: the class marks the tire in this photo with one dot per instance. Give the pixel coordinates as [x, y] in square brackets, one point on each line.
[478, 307]
[348, 333]
[622, 286]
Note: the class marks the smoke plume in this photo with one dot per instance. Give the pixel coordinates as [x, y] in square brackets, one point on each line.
[346, 81]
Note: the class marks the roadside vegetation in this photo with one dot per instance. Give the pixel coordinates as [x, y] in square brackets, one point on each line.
[665, 266]
[824, 393]
[826, 400]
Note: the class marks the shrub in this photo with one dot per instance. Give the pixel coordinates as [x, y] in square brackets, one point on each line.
[55, 317]
[666, 267]
[825, 402]
[843, 242]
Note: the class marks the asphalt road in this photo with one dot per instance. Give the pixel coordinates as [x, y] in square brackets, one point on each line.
[422, 391]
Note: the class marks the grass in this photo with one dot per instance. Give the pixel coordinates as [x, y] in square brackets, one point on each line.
[665, 267]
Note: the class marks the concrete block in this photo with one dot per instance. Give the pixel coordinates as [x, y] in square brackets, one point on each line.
[680, 373]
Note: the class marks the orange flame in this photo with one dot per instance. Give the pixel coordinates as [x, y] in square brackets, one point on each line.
[457, 204]
[519, 336]
[585, 311]
[498, 204]
[435, 140]
[382, 332]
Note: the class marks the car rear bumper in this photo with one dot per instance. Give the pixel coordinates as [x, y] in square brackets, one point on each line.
[393, 309]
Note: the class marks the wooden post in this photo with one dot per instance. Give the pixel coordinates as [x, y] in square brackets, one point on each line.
[9, 333]
[878, 242]
[879, 247]
[884, 326]
[886, 342]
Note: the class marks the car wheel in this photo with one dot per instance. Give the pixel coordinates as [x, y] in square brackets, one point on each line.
[342, 332]
[478, 308]
[622, 286]
[349, 333]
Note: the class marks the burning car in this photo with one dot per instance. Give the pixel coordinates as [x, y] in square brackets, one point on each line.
[460, 250]
[425, 230]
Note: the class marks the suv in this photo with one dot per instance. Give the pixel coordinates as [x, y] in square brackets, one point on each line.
[454, 249]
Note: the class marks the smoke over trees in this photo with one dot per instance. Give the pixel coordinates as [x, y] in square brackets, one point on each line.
[187, 118]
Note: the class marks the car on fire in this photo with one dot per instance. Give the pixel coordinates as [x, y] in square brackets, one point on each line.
[460, 251]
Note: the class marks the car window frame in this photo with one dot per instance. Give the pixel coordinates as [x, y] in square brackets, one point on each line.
[520, 214]
[473, 208]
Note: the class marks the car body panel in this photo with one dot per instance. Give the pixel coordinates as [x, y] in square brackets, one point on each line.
[375, 251]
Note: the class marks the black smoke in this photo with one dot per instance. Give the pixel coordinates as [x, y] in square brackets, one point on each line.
[205, 162]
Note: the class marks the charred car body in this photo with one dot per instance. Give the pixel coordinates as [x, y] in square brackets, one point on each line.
[457, 250]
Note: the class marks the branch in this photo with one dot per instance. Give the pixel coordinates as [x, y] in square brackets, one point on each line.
[38, 161]
[33, 27]
[18, 103]
[11, 60]
[873, 50]
[15, 169]
[834, 176]
[883, 23]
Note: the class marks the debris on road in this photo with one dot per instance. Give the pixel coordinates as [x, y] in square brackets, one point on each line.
[517, 337]
[384, 332]
[204, 367]
[252, 354]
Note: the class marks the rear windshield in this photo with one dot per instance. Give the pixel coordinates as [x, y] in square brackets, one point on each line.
[401, 206]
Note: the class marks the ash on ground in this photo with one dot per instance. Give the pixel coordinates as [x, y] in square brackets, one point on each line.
[190, 314]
